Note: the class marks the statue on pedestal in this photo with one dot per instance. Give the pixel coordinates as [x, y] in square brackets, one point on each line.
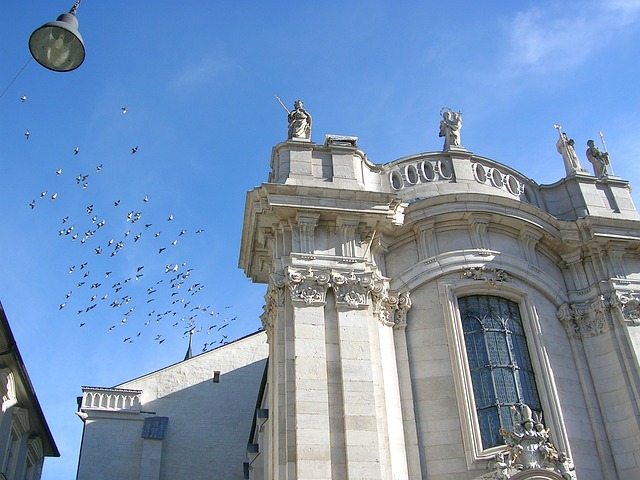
[450, 127]
[598, 159]
[566, 147]
[299, 120]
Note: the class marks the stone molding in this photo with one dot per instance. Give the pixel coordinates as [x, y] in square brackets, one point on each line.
[353, 291]
[584, 320]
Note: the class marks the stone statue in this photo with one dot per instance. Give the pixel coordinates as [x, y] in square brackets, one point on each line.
[450, 127]
[566, 148]
[299, 121]
[528, 448]
[598, 159]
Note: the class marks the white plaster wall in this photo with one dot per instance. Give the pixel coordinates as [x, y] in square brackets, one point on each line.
[111, 448]
[209, 423]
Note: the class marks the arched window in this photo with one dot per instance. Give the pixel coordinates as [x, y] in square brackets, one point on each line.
[499, 363]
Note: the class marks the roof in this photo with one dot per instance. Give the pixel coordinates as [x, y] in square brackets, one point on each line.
[10, 357]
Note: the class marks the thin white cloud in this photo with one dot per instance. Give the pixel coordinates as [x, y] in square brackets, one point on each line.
[555, 38]
[203, 72]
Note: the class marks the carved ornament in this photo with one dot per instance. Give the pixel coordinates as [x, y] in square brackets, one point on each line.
[628, 304]
[584, 320]
[491, 276]
[529, 448]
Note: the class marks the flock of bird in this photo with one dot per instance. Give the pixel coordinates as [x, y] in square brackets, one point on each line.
[129, 271]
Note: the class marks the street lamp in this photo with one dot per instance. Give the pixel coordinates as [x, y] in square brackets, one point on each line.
[58, 45]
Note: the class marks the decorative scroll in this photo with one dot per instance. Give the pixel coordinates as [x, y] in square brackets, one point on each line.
[584, 320]
[491, 276]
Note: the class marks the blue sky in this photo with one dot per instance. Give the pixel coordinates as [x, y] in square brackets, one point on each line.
[198, 80]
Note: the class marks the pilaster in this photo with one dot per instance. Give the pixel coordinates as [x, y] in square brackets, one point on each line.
[594, 329]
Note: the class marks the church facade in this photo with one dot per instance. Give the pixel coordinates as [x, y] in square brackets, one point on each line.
[443, 316]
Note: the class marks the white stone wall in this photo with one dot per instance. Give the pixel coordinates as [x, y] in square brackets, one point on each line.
[209, 423]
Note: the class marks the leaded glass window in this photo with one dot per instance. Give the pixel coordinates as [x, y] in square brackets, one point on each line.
[499, 363]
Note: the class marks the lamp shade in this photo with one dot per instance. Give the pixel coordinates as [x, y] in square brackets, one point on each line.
[58, 45]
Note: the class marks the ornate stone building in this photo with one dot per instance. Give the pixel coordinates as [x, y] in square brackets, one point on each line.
[443, 316]
[25, 438]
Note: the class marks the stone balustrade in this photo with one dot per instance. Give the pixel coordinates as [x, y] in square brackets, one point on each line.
[111, 399]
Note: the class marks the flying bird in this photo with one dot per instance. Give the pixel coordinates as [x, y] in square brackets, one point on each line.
[23, 98]
[26, 134]
[76, 150]
[59, 171]
[124, 109]
[32, 204]
[134, 150]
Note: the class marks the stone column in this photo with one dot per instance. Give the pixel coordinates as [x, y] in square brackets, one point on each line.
[308, 430]
[393, 316]
[592, 325]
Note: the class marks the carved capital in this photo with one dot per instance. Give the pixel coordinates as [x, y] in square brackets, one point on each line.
[628, 305]
[392, 308]
[351, 290]
[584, 320]
[307, 286]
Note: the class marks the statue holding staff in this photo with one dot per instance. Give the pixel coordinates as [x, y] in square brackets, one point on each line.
[598, 159]
[566, 147]
[299, 120]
